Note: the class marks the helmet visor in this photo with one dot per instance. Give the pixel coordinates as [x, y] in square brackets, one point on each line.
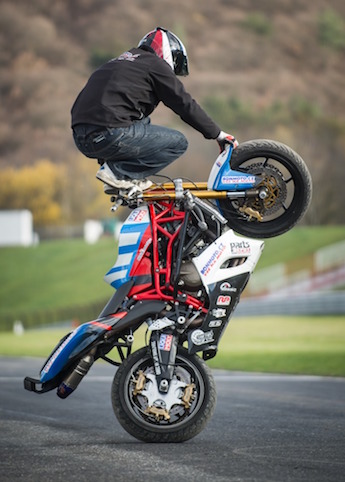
[180, 62]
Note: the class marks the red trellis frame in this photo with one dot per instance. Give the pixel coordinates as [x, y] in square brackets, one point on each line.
[167, 213]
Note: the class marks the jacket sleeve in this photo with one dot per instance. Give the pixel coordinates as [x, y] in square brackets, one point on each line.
[170, 90]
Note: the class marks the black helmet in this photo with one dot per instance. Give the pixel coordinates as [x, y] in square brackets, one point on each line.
[169, 48]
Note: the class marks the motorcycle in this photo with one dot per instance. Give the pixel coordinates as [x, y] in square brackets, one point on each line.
[180, 271]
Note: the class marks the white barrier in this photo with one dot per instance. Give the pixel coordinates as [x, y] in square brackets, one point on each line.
[16, 228]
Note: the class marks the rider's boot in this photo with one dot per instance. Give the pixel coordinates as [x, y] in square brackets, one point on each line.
[106, 175]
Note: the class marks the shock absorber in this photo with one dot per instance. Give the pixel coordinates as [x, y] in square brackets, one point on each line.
[72, 381]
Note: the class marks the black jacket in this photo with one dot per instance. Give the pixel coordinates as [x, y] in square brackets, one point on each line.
[130, 87]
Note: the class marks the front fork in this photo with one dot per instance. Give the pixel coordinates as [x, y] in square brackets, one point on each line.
[163, 347]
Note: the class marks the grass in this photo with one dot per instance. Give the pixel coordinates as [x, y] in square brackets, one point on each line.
[299, 243]
[69, 273]
[303, 345]
[55, 280]
[300, 345]
[54, 273]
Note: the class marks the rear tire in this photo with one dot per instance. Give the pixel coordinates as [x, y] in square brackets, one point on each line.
[132, 410]
[287, 181]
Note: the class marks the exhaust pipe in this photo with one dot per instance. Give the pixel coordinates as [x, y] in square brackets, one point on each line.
[72, 381]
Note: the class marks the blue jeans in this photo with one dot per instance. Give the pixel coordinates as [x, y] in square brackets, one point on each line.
[134, 152]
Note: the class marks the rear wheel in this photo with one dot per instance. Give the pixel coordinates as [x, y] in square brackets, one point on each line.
[285, 190]
[175, 416]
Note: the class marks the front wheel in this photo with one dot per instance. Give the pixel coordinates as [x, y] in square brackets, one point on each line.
[285, 190]
[152, 416]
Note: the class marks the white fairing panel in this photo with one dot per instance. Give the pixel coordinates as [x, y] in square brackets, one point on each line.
[228, 246]
[216, 168]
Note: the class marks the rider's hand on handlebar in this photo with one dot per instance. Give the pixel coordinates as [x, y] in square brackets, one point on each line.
[223, 139]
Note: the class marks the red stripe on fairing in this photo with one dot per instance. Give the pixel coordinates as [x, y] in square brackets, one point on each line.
[119, 315]
[141, 265]
[107, 327]
[101, 325]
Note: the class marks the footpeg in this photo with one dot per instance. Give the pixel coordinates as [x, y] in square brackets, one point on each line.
[161, 323]
[33, 385]
[116, 205]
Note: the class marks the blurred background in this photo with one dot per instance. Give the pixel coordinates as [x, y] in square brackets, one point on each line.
[261, 69]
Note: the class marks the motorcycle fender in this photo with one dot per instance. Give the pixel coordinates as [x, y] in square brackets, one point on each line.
[87, 335]
[223, 178]
[71, 346]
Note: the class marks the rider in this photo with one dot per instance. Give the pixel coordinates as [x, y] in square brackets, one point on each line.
[110, 117]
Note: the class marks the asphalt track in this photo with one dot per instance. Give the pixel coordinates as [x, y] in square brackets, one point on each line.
[265, 428]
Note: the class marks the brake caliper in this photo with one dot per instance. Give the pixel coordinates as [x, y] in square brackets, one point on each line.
[139, 383]
[188, 395]
[158, 412]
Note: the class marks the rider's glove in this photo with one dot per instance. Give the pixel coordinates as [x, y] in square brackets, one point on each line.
[223, 139]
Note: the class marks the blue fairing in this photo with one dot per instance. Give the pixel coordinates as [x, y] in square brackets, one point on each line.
[78, 340]
[227, 179]
[134, 234]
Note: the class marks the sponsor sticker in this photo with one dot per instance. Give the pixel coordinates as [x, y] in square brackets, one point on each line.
[137, 216]
[219, 312]
[165, 342]
[223, 300]
[200, 337]
[226, 286]
[154, 352]
[238, 179]
[128, 56]
[214, 323]
[213, 259]
[57, 352]
[242, 247]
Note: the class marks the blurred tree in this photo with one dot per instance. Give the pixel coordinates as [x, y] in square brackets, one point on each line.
[38, 188]
[56, 194]
[260, 69]
[83, 193]
[331, 29]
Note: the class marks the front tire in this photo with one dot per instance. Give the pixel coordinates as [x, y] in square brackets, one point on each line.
[286, 182]
[152, 417]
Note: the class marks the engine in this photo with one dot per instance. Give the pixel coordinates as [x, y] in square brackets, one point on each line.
[189, 277]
